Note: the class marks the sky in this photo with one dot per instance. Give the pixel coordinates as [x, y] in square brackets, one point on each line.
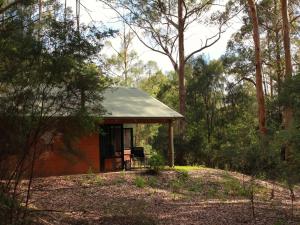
[95, 12]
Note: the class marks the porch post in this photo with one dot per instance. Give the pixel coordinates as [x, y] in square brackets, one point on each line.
[171, 145]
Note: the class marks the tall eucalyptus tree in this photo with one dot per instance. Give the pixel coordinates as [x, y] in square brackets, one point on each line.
[161, 26]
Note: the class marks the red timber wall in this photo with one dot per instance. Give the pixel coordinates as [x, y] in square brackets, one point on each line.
[56, 161]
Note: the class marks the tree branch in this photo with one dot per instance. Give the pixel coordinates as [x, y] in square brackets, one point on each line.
[206, 45]
[8, 6]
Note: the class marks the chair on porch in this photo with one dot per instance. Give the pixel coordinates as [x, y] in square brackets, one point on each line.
[138, 156]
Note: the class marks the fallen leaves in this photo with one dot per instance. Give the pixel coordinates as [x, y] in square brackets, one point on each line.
[114, 198]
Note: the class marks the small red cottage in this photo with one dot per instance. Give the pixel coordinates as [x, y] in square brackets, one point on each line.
[109, 149]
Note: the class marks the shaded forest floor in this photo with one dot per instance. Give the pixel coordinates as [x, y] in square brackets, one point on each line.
[199, 196]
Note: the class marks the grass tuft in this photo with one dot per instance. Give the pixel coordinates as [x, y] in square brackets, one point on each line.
[139, 182]
[188, 168]
[153, 182]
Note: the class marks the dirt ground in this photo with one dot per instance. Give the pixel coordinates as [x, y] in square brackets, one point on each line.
[203, 196]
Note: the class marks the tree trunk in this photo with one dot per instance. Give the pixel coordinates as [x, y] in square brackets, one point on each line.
[286, 39]
[78, 14]
[65, 11]
[125, 56]
[259, 85]
[270, 61]
[271, 87]
[181, 75]
[278, 61]
[171, 145]
[40, 18]
[287, 111]
[40, 9]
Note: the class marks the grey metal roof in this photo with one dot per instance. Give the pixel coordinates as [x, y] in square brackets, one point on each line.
[123, 102]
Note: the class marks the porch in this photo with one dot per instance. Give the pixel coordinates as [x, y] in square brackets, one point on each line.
[119, 150]
[126, 107]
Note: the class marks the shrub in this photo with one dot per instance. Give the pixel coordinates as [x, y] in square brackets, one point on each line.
[183, 175]
[118, 180]
[176, 185]
[156, 163]
[196, 185]
[139, 182]
[233, 187]
[152, 182]
[91, 178]
[11, 211]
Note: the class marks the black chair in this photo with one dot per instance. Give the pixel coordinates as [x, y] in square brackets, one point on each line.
[138, 155]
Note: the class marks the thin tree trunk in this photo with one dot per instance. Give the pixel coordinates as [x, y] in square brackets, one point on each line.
[40, 18]
[277, 51]
[40, 9]
[270, 61]
[278, 61]
[65, 11]
[126, 45]
[287, 111]
[30, 180]
[271, 87]
[286, 39]
[259, 85]
[181, 75]
[265, 85]
[77, 13]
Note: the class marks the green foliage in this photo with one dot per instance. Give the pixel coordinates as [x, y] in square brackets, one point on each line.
[221, 117]
[183, 175]
[91, 178]
[233, 187]
[196, 185]
[139, 182]
[221, 128]
[156, 162]
[164, 88]
[152, 181]
[48, 77]
[50, 86]
[175, 185]
[9, 203]
[290, 97]
[6, 202]
[125, 66]
[180, 182]
[188, 168]
[280, 222]
[90, 171]
[119, 180]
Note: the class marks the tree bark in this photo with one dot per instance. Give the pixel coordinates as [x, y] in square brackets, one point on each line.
[259, 85]
[40, 2]
[270, 61]
[171, 145]
[126, 42]
[78, 14]
[287, 114]
[278, 62]
[40, 9]
[65, 11]
[277, 48]
[181, 72]
[286, 39]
